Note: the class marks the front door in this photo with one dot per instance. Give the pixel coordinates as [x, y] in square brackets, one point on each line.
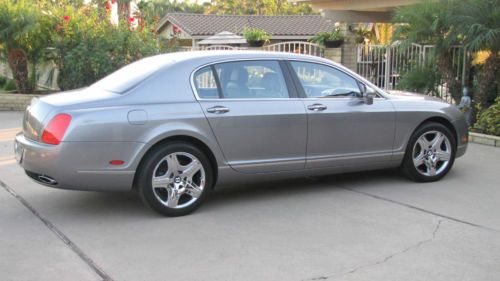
[343, 129]
[258, 126]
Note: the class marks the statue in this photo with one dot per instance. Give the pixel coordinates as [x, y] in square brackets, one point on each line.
[466, 105]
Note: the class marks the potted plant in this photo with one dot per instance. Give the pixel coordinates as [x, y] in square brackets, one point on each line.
[255, 37]
[361, 34]
[332, 39]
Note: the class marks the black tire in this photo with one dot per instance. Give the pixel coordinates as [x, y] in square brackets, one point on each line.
[145, 175]
[408, 167]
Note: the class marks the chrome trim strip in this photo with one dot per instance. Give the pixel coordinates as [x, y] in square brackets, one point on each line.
[106, 172]
[355, 76]
[349, 156]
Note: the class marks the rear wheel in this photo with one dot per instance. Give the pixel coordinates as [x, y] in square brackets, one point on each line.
[430, 153]
[175, 179]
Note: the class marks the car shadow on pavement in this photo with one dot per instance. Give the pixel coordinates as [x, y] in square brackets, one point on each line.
[245, 193]
[128, 204]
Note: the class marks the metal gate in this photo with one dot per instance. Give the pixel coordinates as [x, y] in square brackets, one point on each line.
[383, 65]
[298, 47]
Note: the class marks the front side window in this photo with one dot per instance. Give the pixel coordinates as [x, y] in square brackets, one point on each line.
[251, 80]
[321, 81]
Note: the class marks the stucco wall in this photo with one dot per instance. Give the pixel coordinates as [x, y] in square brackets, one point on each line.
[15, 102]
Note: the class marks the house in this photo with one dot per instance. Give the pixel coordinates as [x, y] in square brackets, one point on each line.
[358, 10]
[189, 29]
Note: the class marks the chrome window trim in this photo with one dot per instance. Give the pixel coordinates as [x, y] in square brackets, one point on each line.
[357, 78]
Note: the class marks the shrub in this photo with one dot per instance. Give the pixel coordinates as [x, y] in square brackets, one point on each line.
[334, 35]
[255, 34]
[3, 80]
[488, 121]
[420, 79]
[88, 47]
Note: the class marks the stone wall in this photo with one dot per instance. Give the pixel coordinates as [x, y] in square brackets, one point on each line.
[15, 102]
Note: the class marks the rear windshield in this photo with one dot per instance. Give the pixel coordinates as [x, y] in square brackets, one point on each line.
[130, 75]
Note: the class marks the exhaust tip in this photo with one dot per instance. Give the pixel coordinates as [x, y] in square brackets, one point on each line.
[47, 180]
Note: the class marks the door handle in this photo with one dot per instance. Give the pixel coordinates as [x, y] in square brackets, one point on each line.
[217, 109]
[317, 107]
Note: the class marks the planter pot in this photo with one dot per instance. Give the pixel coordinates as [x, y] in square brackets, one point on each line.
[359, 40]
[333, 44]
[259, 43]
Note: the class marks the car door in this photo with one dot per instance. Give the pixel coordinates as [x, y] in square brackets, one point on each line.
[258, 123]
[343, 129]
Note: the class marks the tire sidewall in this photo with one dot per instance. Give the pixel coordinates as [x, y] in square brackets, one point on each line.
[409, 168]
[146, 172]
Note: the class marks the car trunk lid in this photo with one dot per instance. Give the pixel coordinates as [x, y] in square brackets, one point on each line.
[40, 108]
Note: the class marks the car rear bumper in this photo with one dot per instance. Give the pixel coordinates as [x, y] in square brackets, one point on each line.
[79, 165]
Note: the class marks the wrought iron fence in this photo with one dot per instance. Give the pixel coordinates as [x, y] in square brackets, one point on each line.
[384, 65]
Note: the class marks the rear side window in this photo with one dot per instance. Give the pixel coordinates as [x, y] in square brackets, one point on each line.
[241, 80]
[321, 81]
[205, 84]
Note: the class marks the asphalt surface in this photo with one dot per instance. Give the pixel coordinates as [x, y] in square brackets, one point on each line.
[363, 226]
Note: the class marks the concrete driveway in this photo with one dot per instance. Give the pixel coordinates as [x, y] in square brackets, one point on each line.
[363, 226]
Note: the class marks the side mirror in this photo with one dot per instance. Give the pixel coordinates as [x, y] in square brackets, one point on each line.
[369, 97]
[368, 94]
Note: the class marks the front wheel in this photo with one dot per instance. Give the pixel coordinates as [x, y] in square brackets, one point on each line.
[175, 179]
[430, 153]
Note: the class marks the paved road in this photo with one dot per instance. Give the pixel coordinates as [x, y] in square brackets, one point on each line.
[364, 226]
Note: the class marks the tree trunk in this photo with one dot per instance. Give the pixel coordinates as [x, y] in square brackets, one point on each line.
[18, 63]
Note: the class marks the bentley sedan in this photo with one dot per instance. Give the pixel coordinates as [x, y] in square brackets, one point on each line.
[173, 126]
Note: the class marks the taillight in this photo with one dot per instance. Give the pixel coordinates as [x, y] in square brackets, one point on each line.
[54, 132]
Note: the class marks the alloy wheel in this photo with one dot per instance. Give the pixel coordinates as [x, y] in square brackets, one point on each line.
[178, 180]
[432, 153]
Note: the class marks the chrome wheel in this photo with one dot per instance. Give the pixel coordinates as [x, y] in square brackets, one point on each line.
[178, 180]
[432, 153]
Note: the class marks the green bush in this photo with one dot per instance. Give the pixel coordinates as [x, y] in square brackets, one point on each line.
[321, 37]
[10, 86]
[88, 47]
[488, 121]
[255, 34]
[420, 79]
[3, 80]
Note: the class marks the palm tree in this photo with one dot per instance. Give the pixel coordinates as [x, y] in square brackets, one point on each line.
[431, 23]
[478, 21]
[18, 20]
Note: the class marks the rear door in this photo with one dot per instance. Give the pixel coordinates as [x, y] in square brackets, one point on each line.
[258, 122]
[343, 129]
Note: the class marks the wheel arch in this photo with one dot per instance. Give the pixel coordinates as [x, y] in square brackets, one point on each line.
[443, 121]
[181, 138]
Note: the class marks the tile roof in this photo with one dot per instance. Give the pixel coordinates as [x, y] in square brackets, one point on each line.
[206, 25]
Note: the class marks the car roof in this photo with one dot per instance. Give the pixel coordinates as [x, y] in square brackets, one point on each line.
[220, 55]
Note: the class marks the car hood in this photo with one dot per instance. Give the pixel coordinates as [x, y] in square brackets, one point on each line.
[403, 95]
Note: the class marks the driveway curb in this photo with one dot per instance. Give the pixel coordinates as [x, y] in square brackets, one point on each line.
[484, 139]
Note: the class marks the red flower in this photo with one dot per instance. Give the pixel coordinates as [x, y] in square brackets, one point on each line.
[113, 1]
[66, 18]
[107, 6]
[131, 19]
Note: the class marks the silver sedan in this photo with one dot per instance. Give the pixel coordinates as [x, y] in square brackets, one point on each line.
[174, 125]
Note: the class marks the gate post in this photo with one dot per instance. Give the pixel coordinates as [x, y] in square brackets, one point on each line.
[387, 72]
[350, 54]
[334, 54]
